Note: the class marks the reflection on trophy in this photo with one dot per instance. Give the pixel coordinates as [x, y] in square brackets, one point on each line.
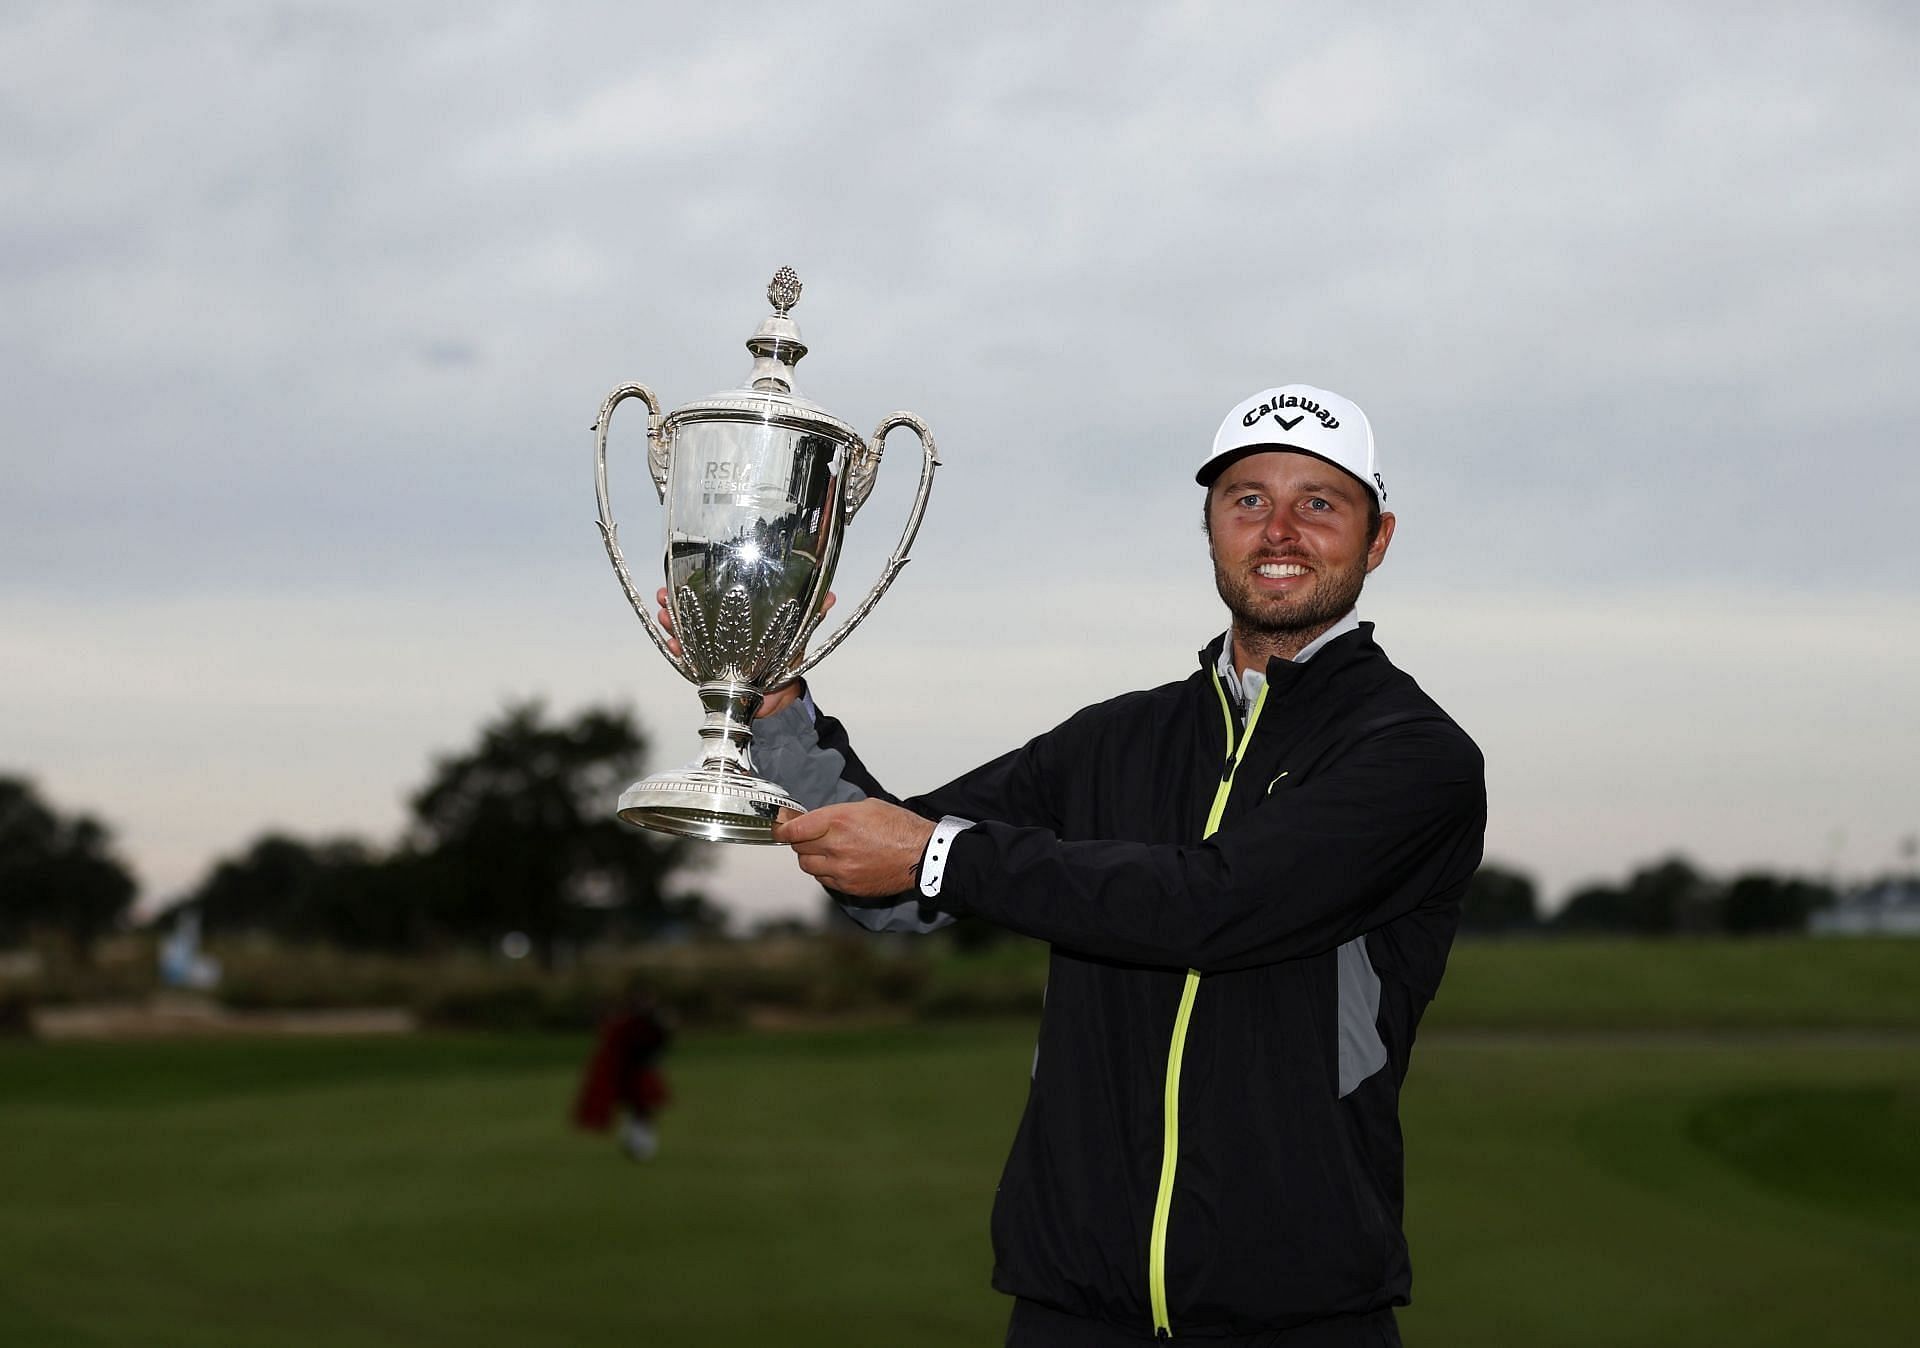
[758, 485]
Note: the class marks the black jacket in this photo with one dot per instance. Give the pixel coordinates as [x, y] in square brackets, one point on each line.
[1211, 1143]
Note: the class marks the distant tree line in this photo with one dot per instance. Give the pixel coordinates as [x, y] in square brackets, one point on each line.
[58, 873]
[515, 834]
[1668, 897]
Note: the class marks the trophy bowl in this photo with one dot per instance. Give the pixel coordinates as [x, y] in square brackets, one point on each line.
[759, 486]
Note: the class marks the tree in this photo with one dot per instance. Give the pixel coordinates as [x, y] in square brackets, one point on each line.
[1594, 908]
[56, 873]
[518, 834]
[261, 890]
[1500, 900]
[1668, 896]
[340, 891]
[1759, 903]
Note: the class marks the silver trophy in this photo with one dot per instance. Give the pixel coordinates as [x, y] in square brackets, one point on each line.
[759, 485]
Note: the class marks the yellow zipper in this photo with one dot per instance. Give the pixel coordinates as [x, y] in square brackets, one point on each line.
[1170, 1145]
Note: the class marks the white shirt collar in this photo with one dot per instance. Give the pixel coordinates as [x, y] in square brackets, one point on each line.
[1248, 682]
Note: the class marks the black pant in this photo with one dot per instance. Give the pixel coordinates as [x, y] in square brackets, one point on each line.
[1036, 1326]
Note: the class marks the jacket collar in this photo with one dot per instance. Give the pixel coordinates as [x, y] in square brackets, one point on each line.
[1340, 653]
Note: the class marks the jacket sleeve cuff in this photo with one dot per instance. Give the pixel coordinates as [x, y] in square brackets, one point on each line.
[933, 859]
[966, 885]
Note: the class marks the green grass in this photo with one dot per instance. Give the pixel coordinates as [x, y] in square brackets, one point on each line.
[1753, 1179]
[1557, 983]
[1585, 1193]
[429, 1191]
[1760, 983]
[833, 1188]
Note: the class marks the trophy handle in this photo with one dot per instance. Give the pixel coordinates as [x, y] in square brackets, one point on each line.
[860, 478]
[609, 531]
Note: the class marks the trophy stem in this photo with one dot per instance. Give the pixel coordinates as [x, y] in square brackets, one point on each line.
[720, 799]
[727, 733]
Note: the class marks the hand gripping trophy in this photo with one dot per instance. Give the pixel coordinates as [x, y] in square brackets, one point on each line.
[759, 485]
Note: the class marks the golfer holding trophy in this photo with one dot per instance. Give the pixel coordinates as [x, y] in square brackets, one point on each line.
[1248, 877]
[759, 486]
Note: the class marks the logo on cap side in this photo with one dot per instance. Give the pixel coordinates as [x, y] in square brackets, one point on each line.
[1381, 483]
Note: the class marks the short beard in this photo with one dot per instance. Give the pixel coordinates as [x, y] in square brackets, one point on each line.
[1284, 626]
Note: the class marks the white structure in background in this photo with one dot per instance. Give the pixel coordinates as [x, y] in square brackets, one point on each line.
[182, 965]
[1891, 908]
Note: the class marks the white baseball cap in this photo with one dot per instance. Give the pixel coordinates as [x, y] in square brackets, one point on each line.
[1302, 418]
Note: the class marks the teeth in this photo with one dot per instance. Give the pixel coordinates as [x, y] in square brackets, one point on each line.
[1280, 569]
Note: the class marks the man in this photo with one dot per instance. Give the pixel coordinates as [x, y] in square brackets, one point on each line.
[1250, 880]
[624, 1072]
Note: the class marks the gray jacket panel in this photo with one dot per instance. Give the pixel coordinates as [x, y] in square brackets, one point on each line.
[1362, 1051]
[786, 749]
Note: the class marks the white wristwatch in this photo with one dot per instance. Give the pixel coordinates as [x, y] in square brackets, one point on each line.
[933, 861]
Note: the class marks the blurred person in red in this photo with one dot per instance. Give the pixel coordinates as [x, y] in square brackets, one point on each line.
[624, 1073]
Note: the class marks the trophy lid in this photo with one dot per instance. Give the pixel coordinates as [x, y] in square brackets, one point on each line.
[768, 394]
[776, 346]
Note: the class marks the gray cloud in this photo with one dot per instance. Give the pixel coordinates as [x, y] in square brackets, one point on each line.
[316, 302]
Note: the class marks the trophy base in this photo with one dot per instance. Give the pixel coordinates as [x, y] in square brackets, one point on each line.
[710, 803]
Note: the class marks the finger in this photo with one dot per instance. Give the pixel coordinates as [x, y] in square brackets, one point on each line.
[805, 828]
[666, 621]
[815, 864]
[775, 703]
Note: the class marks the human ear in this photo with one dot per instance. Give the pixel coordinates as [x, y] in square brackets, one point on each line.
[1377, 550]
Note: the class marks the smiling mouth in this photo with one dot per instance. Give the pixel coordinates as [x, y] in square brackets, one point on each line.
[1279, 570]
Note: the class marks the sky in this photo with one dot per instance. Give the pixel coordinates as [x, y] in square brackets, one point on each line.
[306, 310]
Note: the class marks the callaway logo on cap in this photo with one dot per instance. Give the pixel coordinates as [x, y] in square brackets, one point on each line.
[1303, 418]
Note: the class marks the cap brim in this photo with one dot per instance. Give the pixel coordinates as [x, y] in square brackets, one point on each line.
[1211, 470]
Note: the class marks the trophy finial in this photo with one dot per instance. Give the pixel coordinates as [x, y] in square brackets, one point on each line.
[784, 290]
[777, 347]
